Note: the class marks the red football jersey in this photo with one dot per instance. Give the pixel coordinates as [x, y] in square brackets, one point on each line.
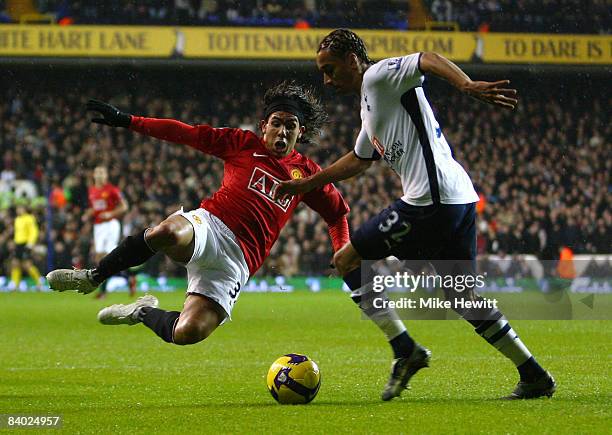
[244, 202]
[105, 198]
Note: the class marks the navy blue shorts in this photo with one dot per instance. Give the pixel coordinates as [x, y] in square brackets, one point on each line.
[408, 232]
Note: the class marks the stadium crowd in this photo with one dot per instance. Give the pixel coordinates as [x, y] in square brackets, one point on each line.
[283, 13]
[541, 16]
[533, 16]
[542, 171]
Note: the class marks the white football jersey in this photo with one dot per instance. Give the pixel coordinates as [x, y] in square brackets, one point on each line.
[398, 124]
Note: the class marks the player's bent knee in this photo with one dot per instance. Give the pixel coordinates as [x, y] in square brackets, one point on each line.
[192, 332]
[164, 235]
[346, 259]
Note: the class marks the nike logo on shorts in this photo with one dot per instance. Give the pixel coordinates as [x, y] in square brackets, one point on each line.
[259, 155]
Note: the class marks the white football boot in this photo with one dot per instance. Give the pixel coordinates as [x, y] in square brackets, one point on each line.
[80, 280]
[126, 314]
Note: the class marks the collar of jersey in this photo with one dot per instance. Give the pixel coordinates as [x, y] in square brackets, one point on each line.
[265, 151]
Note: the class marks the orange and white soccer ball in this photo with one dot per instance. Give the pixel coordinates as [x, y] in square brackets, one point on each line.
[294, 379]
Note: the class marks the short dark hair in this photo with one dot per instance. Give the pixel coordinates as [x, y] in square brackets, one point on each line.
[309, 103]
[344, 41]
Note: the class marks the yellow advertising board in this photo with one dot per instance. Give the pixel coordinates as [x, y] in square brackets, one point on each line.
[294, 44]
[545, 48]
[256, 43]
[86, 41]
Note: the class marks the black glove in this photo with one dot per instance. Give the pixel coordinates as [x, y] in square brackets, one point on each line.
[111, 115]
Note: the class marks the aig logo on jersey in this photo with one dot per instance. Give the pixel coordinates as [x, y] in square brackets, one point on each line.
[265, 184]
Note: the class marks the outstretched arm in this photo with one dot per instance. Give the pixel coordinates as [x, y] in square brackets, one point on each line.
[164, 129]
[169, 130]
[495, 93]
[345, 167]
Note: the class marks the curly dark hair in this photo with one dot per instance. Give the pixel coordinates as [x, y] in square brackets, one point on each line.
[310, 104]
[344, 41]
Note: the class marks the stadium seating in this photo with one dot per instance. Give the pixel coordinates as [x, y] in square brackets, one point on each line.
[549, 16]
[532, 16]
[269, 13]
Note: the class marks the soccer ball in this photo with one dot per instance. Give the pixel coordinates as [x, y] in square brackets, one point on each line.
[293, 379]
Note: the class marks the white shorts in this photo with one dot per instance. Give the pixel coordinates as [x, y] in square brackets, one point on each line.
[217, 268]
[106, 236]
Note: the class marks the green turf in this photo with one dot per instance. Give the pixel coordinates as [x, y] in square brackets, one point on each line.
[55, 358]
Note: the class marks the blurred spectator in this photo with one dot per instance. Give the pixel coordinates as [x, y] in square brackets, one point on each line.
[25, 239]
[442, 10]
[539, 16]
[4, 18]
[390, 14]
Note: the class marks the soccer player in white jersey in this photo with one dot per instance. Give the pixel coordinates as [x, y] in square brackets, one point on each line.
[435, 217]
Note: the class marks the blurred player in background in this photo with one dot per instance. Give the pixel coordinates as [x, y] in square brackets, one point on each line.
[107, 205]
[26, 236]
[435, 218]
[227, 239]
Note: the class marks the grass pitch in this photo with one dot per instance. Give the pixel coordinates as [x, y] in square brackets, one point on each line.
[56, 359]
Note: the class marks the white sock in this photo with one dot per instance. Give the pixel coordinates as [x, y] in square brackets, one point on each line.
[501, 336]
[385, 318]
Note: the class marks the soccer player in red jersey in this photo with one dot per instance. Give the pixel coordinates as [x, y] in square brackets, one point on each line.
[106, 205]
[227, 239]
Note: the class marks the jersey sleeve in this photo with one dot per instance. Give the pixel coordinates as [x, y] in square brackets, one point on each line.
[118, 196]
[364, 149]
[395, 73]
[326, 201]
[219, 142]
[408, 67]
[339, 233]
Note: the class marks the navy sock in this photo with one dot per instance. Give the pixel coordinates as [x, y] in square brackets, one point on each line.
[530, 370]
[402, 345]
[353, 279]
[160, 321]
